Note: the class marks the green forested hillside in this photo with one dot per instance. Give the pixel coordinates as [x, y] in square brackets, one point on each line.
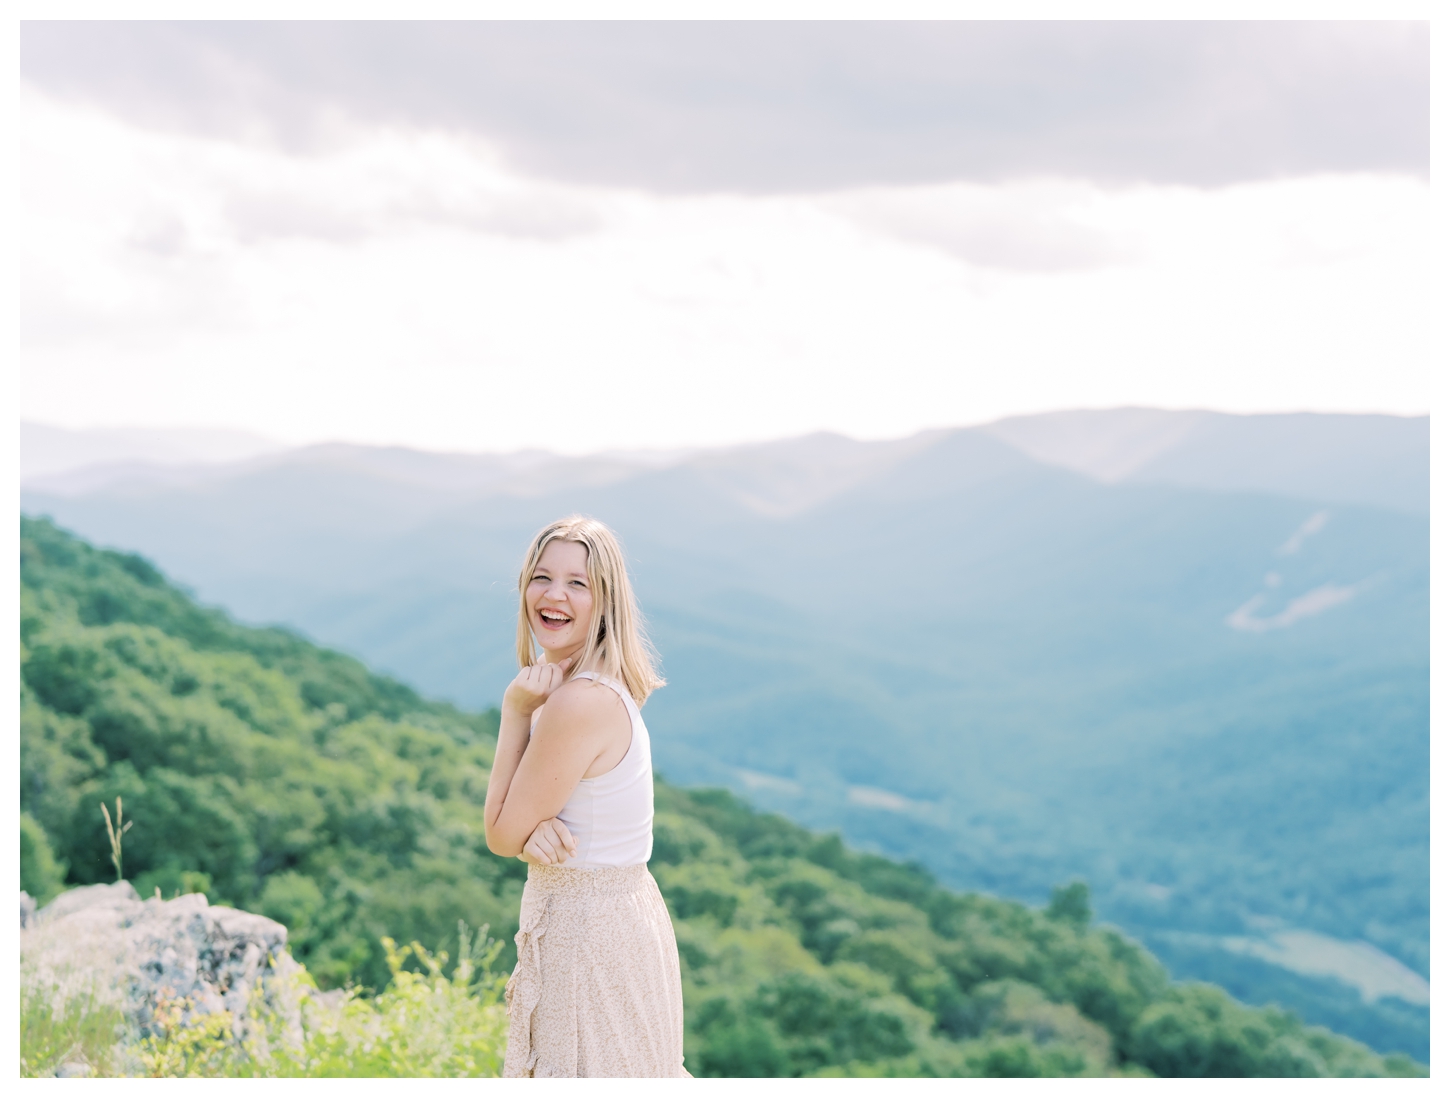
[1213, 706]
[286, 779]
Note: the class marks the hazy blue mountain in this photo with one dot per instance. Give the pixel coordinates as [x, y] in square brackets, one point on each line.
[1381, 461]
[1210, 699]
[47, 450]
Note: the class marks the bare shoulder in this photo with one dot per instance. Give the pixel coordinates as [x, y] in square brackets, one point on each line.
[582, 706]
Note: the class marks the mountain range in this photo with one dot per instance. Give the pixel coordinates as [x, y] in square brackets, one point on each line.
[1181, 655]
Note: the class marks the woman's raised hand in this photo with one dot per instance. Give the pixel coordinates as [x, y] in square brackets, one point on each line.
[533, 685]
[550, 844]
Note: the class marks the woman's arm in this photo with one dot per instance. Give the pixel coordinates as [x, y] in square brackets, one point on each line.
[574, 728]
[551, 844]
[529, 690]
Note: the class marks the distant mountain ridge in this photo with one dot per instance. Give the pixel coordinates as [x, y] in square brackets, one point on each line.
[48, 451]
[1209, 699]
[1373, 460]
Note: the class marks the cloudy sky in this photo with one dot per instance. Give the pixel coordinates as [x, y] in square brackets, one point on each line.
[584, 236]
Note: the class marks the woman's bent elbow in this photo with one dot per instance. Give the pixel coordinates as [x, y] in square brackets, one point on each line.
[503, 847]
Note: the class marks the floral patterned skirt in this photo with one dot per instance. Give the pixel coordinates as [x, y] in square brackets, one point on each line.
[596, 992]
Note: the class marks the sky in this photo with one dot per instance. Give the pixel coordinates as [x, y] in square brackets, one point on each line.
[582, 236]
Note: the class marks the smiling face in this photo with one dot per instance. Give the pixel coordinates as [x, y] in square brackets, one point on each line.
[558, 599]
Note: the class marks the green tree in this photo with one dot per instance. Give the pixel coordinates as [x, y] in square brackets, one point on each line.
[1071, 904]
[41, 873]
[283, 778]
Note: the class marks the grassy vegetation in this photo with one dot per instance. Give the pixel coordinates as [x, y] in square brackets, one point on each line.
[425, 1025]
[56, 1031]
[289, 780]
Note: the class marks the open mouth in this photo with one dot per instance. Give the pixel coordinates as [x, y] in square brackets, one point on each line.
[553, 619]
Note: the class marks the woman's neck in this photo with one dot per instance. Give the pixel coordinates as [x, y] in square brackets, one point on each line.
[562, 654]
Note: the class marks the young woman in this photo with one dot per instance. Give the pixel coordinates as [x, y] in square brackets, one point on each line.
[596, 991]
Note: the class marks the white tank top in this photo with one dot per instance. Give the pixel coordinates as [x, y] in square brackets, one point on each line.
[612, 816]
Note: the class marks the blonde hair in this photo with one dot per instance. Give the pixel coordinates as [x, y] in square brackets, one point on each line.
[617, 646]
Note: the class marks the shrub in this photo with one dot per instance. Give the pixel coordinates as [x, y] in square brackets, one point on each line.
[41, 874]
[424, 1025]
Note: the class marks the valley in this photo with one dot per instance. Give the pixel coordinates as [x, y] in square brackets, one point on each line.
[1205, 696]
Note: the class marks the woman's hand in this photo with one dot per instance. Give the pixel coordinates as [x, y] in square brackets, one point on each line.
[550, 844]
[533, 685]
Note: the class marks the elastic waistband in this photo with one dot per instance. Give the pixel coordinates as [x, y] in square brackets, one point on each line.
[563, 879]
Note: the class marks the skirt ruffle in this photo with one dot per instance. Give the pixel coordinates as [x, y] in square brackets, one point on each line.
[596, 991]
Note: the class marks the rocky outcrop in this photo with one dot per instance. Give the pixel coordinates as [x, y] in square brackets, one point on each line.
[143, 953]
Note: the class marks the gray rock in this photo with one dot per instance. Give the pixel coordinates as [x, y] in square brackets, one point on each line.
[27, 909]
[93, 898]
[158, 951]
[75, 1069]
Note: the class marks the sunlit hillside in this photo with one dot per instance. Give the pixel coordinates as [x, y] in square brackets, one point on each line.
[1182, 656]
[289, 780]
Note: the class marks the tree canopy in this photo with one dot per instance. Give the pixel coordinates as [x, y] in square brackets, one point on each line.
[284, 778]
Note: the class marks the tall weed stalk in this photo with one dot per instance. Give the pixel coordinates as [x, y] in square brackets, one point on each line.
[116, 833]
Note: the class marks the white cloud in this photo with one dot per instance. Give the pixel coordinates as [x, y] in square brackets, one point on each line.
[405, 287]
[1033, 226]
[780, 106]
